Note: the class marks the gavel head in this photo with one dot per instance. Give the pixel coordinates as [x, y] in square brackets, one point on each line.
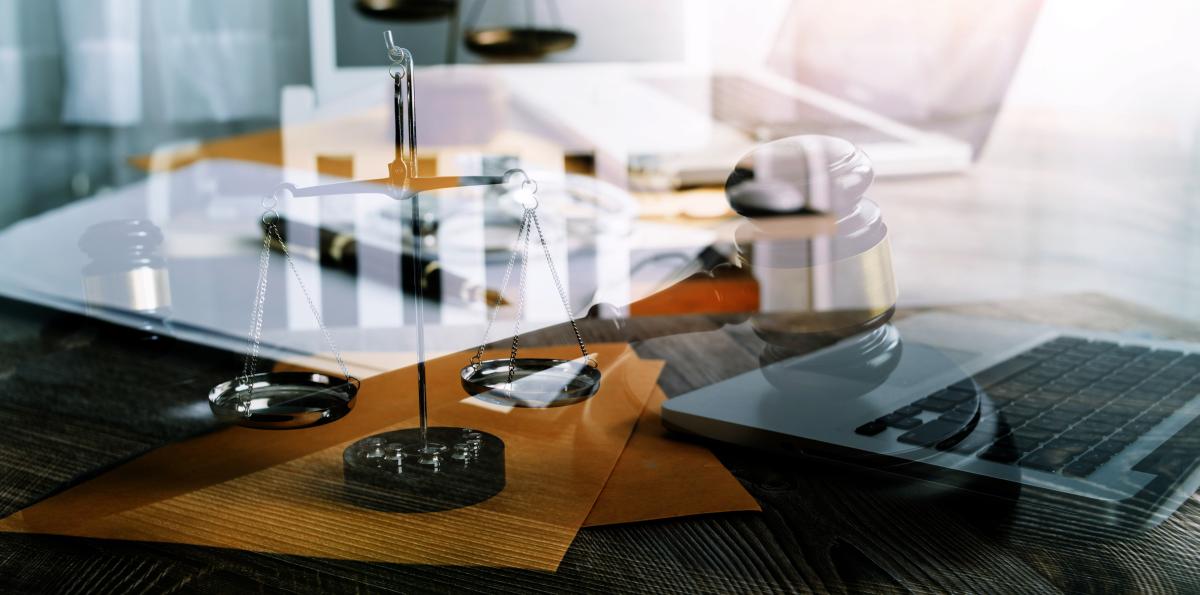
[126, 268]
[799, 175]
[816, 245]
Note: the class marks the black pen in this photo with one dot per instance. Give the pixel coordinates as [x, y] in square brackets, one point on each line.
[341, 250]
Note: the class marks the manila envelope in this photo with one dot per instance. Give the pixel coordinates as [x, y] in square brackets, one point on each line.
[282, 492]
[658, 478]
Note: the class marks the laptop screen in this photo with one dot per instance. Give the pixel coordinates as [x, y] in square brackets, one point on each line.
[939, 65]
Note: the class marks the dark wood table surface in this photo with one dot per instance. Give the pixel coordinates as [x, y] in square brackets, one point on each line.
[73, 403]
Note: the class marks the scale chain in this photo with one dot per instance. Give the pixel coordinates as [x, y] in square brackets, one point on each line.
[256, 321]
[250, 363]
[524, 283]
[562, 294]
[273, 230]
[512, 259]
[521, 247]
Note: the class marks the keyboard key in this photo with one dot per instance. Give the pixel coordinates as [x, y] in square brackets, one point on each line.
[1027, 439]
[1047, 459]
[1002, 392]
[1000, 454]
[1075, 407]
[1042, 400]
[1075, 447]
[1106, 363]
[1022, 410]
[1063, 390]
[972, 443]
[932, 433]
[959, 417]
[1153, 416]
[1070, 359]
[1158, 386]
[1014, 419]
[1095, 457]
[1111, 446]
[1056, 366]
[1100, 426]
[1164, 354]
[1002, 428]
[1123, 410]
[1083, 435]
[1139, 426]
[907, 423]
[1176, 457]
[1097, 394]
[1124, 435]
[1022, 387]
[1049, 425]
[1079, 469]
[1180, 373]
[1180, 397]
[1143, 396]
[1128, 376]
[954, 396]
[1067, 341]
[1086, 376]
[870, 428]
[1004, 369]
[1060, 415]
[1043, 351]
[935, 405]
[1132, 350]
[1107, 417]
[1118, 384]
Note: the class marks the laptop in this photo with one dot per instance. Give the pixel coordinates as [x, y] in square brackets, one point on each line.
[918, 89]
[1102, 425]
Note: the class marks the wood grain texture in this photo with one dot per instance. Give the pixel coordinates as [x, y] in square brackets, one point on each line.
[823, 528]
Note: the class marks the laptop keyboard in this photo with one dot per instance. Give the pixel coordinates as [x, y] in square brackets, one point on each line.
[1066, 406]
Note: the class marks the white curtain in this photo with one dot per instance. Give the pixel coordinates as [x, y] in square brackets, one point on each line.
[131, 62]
[30, 74]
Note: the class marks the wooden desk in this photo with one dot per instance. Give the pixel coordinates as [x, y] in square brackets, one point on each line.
[1055, 205]
[822, 527]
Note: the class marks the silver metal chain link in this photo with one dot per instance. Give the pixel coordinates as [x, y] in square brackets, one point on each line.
[523, 284]
[562, 293]
[256, 320]
[521, 247]
[270, 219]
[477, 359]
[337, 354]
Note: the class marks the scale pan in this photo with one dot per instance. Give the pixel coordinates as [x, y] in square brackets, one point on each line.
[537, 382]
[284, 400]
[518, 43]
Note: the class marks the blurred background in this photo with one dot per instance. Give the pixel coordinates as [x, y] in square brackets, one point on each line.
[1104, 95]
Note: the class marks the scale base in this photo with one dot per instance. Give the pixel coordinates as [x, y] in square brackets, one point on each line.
[393, 472]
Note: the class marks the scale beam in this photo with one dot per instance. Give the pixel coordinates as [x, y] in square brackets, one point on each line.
[402, 188]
